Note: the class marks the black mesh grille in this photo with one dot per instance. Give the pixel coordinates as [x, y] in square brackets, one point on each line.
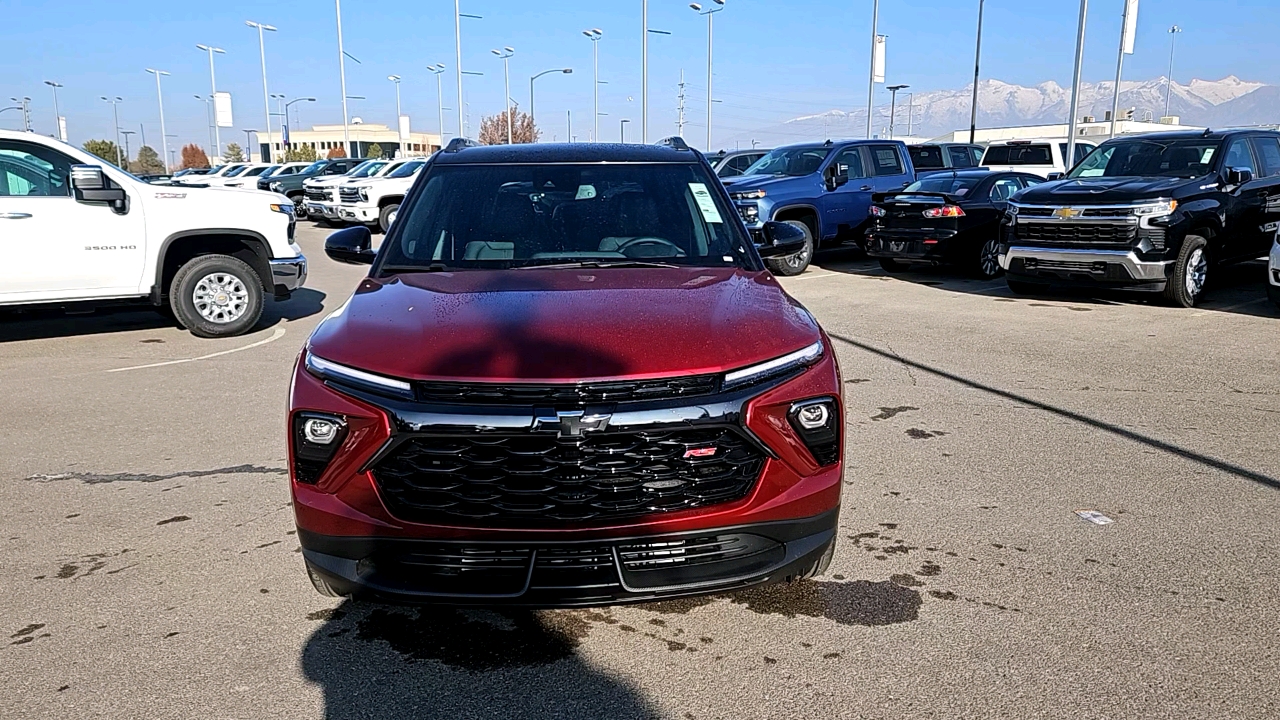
[1155, 236]
[530, 480]
[567, 394]
[349, 195]
[1076, 232]
[319, 195]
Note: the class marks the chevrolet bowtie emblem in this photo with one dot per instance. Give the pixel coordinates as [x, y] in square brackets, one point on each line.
[572, 423]
[1066, 213]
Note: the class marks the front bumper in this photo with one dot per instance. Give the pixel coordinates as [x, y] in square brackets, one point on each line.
[1081, 266]
[288, 274]
[329, 211]
[607, 571]
[359, 213]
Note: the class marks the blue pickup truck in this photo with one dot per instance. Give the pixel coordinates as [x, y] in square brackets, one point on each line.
[822, 188]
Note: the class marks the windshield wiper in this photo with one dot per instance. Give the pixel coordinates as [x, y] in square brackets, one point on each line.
[602, 264]
[433, 267]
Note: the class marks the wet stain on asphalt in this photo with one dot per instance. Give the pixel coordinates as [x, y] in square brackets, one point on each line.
[930, 569]
[944, 595]
[918, 434]
[97, 479]
[888, 412]
[855, 381]
[67, 571]
[327, 614]
[28, 630]
[174, 519]
[477, 641]
[859, 602]
[905, 580]
[72, 515]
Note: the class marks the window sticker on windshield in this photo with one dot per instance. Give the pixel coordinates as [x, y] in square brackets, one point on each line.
[708, 206]
[585, 192]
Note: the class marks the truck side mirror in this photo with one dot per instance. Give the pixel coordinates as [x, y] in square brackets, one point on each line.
[834, 178]
[91, 185]
[351, 245]
[1239, 176]
[1055, 176]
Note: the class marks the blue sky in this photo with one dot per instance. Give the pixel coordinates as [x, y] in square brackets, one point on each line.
[774, 60]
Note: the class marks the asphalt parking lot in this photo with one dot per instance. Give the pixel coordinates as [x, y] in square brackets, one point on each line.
[150, 568]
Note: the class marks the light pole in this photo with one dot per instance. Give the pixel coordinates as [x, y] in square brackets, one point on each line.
[977, 58]
[126, 134]
[280, 113]
[396, 79]
[698, 9]
[622, 130]
[208, 115]
[594, 35]
[286, 116]
[1168, 93]
[213, 90]
[565, 71]
[24, 103]
[505, 56]
[57, 116]
[644, 69]
[893, 104]
[875, 47]
[164, 139]
[115, 115]
[1127, 30]
[266, 98]
[457, 42]
[438, 70]
[342, 77]
[1075, 86]
[248, 142]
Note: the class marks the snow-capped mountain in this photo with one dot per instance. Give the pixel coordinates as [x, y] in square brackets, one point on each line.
[1229, 101]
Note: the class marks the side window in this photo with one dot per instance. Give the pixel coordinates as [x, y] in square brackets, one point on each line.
[885, 160]
[977, 155]
[32, 170]
[335, 169]
[961, 157]
[1082, 151]
[1003, 189]
[1028, 181]
[850, 161]
[1238, 156]
[1268, 151]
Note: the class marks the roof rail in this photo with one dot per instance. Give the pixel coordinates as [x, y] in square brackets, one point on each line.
[675, 142]
[1207, 132]
[459, 143]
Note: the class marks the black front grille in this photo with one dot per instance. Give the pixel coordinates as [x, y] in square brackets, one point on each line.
[349, 195]
[317, 194]
[1154, 236]
[567, 394]
[1075, 232]
[533, 479]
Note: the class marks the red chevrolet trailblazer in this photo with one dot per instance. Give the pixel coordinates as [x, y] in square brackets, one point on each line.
[567, 380]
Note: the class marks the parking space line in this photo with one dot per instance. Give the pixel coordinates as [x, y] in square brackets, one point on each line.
[815, 275]
[279, 333]
[1237, 306]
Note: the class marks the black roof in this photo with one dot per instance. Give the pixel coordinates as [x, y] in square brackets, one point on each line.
[566, 153]
[978, 172]
[1196, 134]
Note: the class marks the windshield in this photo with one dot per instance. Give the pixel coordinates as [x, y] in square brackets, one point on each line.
[795, 161]
[256, 171]
[315, 167]
[235, 171]
[406, 169]
[949, 184]
[926, 157]
[508, 216]
[1186, 158]
[365, 169]
[270, 170]
[1018, 155]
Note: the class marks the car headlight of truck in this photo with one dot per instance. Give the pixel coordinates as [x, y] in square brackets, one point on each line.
[748, 194]
[285, 208]
[329, 370]
[1158, 208]
[364, 193]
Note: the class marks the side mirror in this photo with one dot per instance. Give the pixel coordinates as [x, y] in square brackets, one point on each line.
[834, 178]
[351, 245]
[1056, 175]
[92, 185]
[1239, 176]
[780, 239]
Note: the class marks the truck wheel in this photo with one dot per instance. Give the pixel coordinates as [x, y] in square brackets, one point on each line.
[891, 265]
[798, 263]
[388, 216]
[987, 264]
[216, 296]
[1190, 272]
[299, 207]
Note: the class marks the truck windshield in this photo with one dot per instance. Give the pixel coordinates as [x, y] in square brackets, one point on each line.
[315, 167]
[365, 169]
[1186, 158]
[795, 161]
[588, 215]
[406, 170]
[1018, 155]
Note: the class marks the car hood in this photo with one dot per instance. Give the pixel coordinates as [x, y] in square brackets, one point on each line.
[1105, 190]
[557, 325]
[751, 182]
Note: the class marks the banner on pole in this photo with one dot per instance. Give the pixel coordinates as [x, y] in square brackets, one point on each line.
[404, 128]
[222, 109]
[62, 128]
[877, 61]
[1130, 26]
[284, 138]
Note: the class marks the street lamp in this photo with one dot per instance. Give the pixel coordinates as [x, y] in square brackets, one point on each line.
[1168, 93]
[1075, 86]
[457, 42]
[24, 104]
[565, 71]
[115, 114]
[1128, 28]
[644, 68]
[594, 35]
[286, 118]
[875, 50]
[977, 57]
[57, 116]
[342, 76]
[213, 90]
[248, 143]
[266, 100]
[698, 9]
[505, 56]
[208, 114]
[437, 70]
[126, 134]
[164, 142]
[396, 79]
[622, 130]
[893, 104]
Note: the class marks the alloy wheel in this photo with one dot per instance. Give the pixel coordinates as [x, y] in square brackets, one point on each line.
[989, 258]
[220, 297]
[1196, 273]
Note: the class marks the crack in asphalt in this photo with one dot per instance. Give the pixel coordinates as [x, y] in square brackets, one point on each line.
[97, 479]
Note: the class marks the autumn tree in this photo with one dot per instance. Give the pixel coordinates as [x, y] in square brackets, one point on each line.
[300, 153]
[493, 129]
[108, 151]
[193, 156]
[233, 153]
[374, 151]
[148, 162]
[337, 153]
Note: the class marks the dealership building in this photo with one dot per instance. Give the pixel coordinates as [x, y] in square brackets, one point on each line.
[323, 138]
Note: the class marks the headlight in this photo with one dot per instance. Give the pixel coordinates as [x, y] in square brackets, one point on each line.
[877, 211]
[1159, 207]
[364, 193]
[275, 186]
[747, 195]
[772, 368]
[1012, 209]
[286, 208]
[816, 421]
[350, 376]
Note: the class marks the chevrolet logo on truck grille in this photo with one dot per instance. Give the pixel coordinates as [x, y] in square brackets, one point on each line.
[572, 423]
[1067, 213]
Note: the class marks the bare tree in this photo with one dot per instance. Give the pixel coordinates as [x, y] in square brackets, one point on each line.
[493, 129]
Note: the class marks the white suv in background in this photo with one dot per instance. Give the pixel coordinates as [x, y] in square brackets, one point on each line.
[213, 177]
[1273, 271]
[376, 202]
[1040, 156]
[248, 177]
[322, 192]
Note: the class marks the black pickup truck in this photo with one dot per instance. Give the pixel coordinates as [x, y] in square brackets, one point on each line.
[1148, 212]
[291, 185]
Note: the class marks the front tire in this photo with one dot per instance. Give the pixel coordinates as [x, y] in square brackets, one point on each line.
[1190, 272]
[792, 265]
[388, 216]
[216, 296]
[299, 207]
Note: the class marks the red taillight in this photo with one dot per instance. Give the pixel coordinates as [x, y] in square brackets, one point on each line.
[944, 212]
[878, 211]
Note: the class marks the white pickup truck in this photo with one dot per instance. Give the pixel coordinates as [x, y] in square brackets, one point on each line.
[1041, 157]
[75, 229]
[376, 202]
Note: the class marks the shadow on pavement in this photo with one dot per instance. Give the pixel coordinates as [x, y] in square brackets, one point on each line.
[380, 662]
[18, 324]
